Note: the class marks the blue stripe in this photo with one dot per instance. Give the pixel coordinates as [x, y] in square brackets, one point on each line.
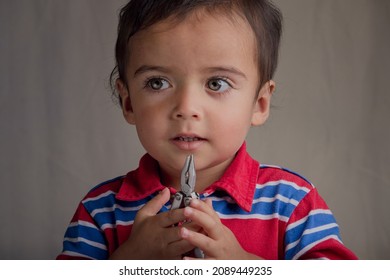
[263, 208]
[85, 249]
[105, 201]
[277, 206]
[226, 208]
[283, 189]
[312, 221]
[112, 217]
[309, 239]
[117, 214]
[283, 208]
[85, 232]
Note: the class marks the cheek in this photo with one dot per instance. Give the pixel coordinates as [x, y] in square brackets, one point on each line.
[148, 123]
[236, 113]
[232, 123]
[144, 120]
[150, 133]
[145, 111]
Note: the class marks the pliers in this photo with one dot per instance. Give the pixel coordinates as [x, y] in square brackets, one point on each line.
[187, 182]
[183, 197]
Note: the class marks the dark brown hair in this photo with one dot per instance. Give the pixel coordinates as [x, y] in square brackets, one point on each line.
[263, 17]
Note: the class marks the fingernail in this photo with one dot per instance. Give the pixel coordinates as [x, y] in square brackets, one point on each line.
[188, 211]
[163, 190]
[184, 232]
[194, 202]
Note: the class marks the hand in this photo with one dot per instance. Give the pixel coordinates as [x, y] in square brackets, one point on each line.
[216, 240]
[153, 235]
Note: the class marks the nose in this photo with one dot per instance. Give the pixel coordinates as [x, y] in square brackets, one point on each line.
[187, 105]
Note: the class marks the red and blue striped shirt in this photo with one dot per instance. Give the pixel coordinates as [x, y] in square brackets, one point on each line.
[274, 213]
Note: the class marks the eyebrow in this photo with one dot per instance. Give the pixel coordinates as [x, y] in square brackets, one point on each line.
[232, 70]
[148, 68]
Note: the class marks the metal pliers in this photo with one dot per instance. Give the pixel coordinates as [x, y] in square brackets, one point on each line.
[183, 197]
[187, 181]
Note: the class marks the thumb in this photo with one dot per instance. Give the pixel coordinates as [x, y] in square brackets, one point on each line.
[154, 206]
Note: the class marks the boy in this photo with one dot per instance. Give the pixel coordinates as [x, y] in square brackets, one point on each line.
[193, 77]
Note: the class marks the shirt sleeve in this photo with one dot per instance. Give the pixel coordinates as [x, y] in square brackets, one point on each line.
[313, 233]
[83, 238]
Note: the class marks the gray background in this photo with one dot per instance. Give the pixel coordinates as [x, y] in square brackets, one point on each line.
[61, 134]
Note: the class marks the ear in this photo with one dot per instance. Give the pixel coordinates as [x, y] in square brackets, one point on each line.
[124, 94]
[262, 105]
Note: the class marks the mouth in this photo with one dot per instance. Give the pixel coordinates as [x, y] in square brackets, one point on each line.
[188, 138]
[188, 141]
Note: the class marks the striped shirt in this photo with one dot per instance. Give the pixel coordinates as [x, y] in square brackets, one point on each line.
[274, 213]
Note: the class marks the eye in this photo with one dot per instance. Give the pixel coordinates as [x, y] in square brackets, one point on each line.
[218, 85]
[157, 84]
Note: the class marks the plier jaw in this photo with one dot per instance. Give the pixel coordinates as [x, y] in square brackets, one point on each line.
[187, 181]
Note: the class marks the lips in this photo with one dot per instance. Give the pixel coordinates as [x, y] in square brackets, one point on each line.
[188, 138]
[188, 141]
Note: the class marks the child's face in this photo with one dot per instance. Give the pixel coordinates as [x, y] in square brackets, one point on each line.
[192, 89]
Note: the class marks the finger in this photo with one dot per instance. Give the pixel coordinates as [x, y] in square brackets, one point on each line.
[170, 218]
[204, 206]
[203, 242]
[171, 235]
[154, 206]
[192, 226]
[209, 202]
[210, 223]
[179, 248]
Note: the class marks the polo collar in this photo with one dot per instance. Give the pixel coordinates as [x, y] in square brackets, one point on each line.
[239, 180]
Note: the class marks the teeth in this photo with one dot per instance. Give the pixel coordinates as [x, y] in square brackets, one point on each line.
[188, 139]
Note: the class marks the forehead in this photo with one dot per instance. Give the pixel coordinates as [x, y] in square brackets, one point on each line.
[200, 34]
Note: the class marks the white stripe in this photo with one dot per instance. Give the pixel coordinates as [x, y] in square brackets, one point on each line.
[275, 183]
[253, 216]
[270, 165]
[277, 197]
[106, 226]
[311, 245]
[309, 231]
[107, 193]
[83, 223]
[122, 223]
[282, 198]
[89, 242]
[112, 209]
[304, 219]
[76, 254]
[228, 199]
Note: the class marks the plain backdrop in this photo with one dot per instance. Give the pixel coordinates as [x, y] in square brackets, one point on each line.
[61, 133]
